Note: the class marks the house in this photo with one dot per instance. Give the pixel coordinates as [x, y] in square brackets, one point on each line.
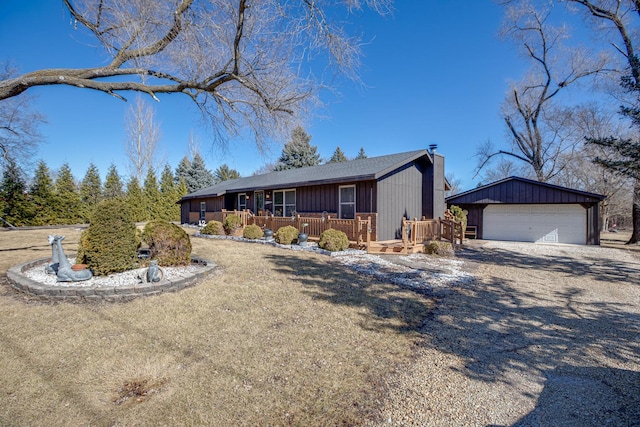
[386, 189]
[520, 209]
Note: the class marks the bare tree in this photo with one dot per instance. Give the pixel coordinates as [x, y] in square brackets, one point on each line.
[596, 122]
[455, 184]
[143, 135]
[19, 134]
[619, 21]
[244, 63]
[535, 121]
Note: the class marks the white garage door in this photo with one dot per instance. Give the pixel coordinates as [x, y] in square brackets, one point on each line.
[535, 223]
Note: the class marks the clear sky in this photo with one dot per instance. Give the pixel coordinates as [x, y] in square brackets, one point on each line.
[435, 73]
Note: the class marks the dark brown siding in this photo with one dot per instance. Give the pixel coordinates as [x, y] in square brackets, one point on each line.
[399, 195]
[593, 225]
[320, 198]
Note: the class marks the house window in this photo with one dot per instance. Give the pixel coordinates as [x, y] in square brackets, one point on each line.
[347, 202]
[242, 201]
[203, 209]
[259, 201]
[284, 202]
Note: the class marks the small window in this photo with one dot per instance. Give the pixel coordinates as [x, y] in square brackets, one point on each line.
[348, 202]
[203, 209]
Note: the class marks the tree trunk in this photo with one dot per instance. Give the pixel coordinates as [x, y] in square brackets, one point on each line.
[635, 235]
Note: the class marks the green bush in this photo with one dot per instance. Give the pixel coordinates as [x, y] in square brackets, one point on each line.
[110, 244]
[333, 240]
[286, 235]
[231, 223]
[168, 243]
[213, 227]
[252, 232]
[435, 247]
[460, 215]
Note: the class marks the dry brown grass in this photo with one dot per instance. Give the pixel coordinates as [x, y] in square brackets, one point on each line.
[276, 338]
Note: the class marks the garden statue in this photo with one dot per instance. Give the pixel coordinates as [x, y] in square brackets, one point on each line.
[154, 273]
[64, 272]
[52, 268]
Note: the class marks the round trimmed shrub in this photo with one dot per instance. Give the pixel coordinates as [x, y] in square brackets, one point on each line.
[110, 244]
[286, 235]
[333, 240]
[231, 223]
[213, 227]
[168, 243]
[252, 232]
[435, 247]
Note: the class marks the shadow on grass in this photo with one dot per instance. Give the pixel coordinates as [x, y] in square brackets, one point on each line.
[385, 306]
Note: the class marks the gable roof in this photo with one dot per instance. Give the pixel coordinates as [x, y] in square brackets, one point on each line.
[518, 190]
[353, 170]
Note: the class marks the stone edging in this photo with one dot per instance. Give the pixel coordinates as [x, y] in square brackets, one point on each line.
[20, 282]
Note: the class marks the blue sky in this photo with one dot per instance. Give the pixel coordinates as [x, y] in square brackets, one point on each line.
[435, 73]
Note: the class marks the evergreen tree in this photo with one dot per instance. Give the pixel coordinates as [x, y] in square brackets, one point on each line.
[225, 173]
[198, 176]
[16, 208]
[182, 171]
[90, 191]
[298, 153]
[135, 200]
[338, 156]
[361, 154]
[113, 184]
[152, 199]
[43, 196]
[68, 206]
[169, 195]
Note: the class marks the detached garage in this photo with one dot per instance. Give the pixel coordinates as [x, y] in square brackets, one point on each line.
[523, 210]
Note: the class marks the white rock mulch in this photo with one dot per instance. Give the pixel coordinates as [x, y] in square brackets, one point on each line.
[126, 278]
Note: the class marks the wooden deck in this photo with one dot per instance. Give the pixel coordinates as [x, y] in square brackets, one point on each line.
[394, 247]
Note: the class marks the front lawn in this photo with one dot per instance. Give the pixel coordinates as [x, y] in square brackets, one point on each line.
[276, 337]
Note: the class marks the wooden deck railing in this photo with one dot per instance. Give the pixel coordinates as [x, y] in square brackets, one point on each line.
[357, 230]
[417, 232]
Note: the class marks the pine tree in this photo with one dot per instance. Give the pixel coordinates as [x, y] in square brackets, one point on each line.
[43, 196]
[113, 184]
[90, 191]
[16, 208]
[225, 173]
[182, 171]
[198, 176]
[298, 153]
[338, 156]
[68, 206]
[361, 154]
[169, 195]
[152, 199]
[135, 200]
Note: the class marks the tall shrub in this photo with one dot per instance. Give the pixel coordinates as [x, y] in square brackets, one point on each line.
[111, 242]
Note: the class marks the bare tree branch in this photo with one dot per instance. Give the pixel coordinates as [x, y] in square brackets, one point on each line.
[244, 63]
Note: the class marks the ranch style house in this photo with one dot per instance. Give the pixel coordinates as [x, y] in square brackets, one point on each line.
[384, 189]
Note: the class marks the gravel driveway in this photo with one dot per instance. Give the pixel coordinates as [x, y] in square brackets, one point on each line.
[545, 335]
